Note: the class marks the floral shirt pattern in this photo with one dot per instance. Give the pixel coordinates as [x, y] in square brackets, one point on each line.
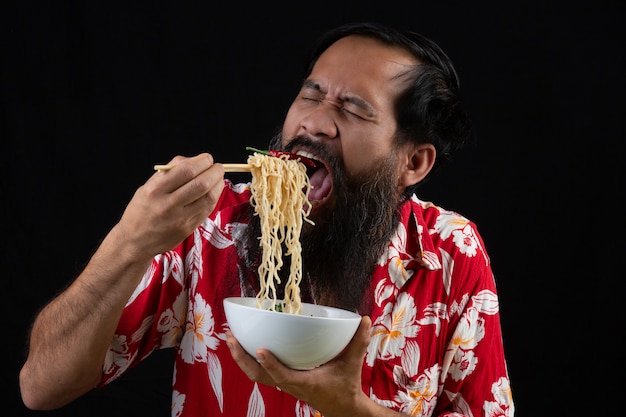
[436, 345]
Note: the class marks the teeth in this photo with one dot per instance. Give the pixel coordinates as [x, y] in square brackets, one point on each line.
[306, 154]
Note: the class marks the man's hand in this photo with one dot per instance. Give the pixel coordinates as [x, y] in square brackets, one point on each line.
[334, 389]
[171, 204]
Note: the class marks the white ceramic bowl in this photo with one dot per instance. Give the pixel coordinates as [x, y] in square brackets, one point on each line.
[300, 341]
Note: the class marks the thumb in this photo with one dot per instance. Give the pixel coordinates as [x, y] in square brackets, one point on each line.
[358, 345]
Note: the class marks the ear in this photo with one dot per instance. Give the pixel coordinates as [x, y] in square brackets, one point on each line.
[417, 163]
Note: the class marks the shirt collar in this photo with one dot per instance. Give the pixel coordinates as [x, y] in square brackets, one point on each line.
[414, 214]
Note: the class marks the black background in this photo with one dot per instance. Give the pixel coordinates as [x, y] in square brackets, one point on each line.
[95, 93]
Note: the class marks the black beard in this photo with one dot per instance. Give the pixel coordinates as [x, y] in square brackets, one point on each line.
[340, 251]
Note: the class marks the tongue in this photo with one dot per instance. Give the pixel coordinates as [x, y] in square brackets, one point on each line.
[321, 184]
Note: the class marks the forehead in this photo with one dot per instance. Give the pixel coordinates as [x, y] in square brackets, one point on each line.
[358, 65]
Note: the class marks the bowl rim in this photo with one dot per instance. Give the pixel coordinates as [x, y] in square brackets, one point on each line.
[350, 315]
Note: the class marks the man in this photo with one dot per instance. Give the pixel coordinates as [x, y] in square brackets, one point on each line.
[380, 112]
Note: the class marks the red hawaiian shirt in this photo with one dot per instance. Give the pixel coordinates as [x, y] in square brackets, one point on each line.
[436, 347]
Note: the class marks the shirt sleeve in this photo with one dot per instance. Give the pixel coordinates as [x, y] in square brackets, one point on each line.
[473, 370]
[153, 318]
[155, 315]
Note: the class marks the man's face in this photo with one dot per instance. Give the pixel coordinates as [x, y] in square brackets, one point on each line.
[344, 118]
[345, 110]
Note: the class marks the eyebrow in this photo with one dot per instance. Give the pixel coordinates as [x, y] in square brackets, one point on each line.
[349, 98]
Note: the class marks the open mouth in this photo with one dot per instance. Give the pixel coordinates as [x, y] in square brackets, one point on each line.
[320, 178]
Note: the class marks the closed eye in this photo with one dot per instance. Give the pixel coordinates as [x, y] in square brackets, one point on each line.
[348, 112]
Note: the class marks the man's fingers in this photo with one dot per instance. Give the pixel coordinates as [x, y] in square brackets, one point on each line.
[249, 365]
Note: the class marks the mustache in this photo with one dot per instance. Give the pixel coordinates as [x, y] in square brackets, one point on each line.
[318, 148]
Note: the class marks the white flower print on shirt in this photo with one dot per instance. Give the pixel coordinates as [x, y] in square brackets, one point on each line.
[199, 334]
[256, 405]
[470, 330]
[383, 292]
[305, 410]
[178, 402]
[418, 397]
[463, 234]
[200, 341]
[118, 356]
[171, 321]
[172, 268]
[463, 364]
[222, 236]
[389, 332]
[398, 258]
[448, 222]
[213, 233]
[466, 240]
[459, 360]
[503, 404]
[398, 274]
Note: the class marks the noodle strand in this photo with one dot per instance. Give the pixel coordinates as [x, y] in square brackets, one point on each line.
[280, 191]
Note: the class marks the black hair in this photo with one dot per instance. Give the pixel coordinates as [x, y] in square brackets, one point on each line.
[429, 111]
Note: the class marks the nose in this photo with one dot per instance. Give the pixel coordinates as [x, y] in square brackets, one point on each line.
[320, 122]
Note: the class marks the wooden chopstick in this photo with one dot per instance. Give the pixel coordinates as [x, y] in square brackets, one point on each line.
[237, 167]
[227, 167]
